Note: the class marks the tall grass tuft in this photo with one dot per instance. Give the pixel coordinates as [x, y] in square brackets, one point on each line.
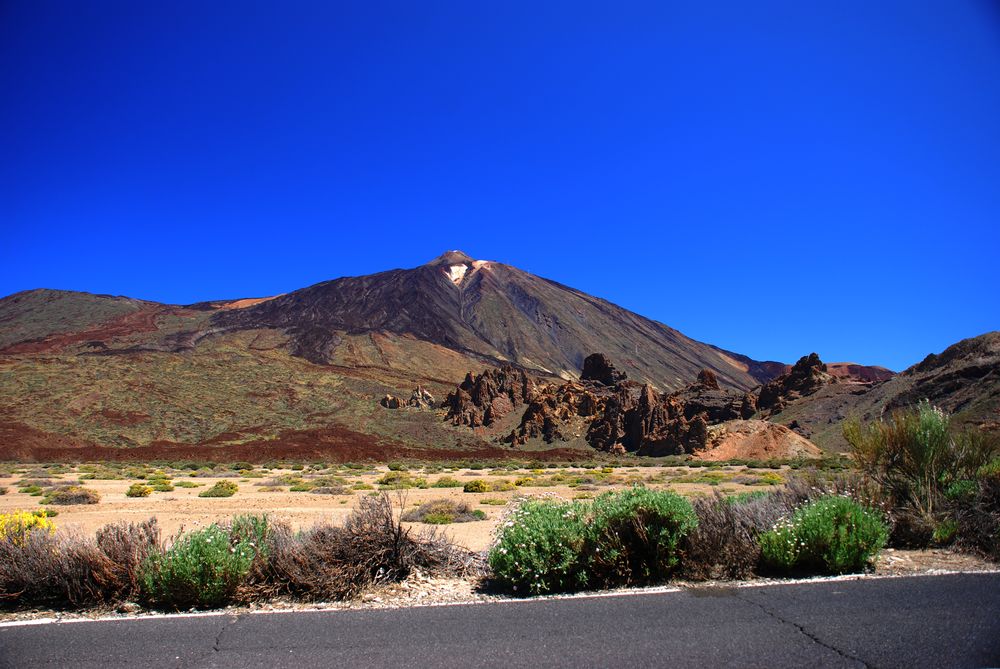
[915, 457]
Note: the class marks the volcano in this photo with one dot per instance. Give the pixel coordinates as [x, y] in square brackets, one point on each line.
[495, 313]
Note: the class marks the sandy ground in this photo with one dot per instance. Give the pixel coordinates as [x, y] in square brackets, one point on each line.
[183, 509]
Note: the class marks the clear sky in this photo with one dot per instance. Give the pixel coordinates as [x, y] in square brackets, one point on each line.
[771, 177]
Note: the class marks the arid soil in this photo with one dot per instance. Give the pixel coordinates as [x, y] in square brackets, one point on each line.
[182, 508]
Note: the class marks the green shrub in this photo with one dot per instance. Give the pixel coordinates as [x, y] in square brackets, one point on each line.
[138, 490]
[399, 480]
[635, 534]
[447, 482]
[915, 458]
[477, 485]
[832, 535]
[220, 489]
[203, 568]
[188, 484]
[625, 537]
[443, 512]
[540, 548]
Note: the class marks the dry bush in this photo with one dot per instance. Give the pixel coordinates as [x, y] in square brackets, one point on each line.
[339, 562]
[329, 490]
[128, 545]
[67, 569]
[725, 544]
[977, 519]
[54, 569]
[68, 495]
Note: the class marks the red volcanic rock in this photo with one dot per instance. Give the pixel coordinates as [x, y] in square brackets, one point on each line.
[597, 367]
[484, 399]
[551, 407]
[391, 402]
[707, 380]
[807, 376]
[639, 420]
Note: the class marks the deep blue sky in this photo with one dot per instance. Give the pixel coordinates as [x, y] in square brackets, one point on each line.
[771, 177]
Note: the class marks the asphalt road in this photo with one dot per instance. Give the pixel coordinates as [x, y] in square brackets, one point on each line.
[931, 621]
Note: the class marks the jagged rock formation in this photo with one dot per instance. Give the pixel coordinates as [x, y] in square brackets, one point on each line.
[421, 398]
[649, 424]
[552, 406]
[623, 416]
[706, 398]
[597, 367]
[482, 400]
[806, 377]
[639, 420]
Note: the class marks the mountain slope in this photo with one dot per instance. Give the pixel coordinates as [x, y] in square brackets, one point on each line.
[304, 371]
[33, 315]
[963, 380]
[492, 311]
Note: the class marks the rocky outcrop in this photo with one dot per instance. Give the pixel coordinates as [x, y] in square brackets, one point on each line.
[806, 377]
[620, 417]
[641, 421]
[391, 402]
[705, 398]
[482, 400]
[420, 398]
[552, 407]
[597, 367]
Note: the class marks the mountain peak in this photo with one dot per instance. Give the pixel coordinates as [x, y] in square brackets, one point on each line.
[451, 258]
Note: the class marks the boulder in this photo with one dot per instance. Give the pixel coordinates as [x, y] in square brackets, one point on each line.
[391, 402]
[420, 398]
[597, 367]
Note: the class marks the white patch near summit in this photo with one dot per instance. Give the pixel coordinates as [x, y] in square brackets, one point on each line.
[457, 272]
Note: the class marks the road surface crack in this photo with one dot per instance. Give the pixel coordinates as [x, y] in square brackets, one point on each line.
[806, 633]
[230, 620]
